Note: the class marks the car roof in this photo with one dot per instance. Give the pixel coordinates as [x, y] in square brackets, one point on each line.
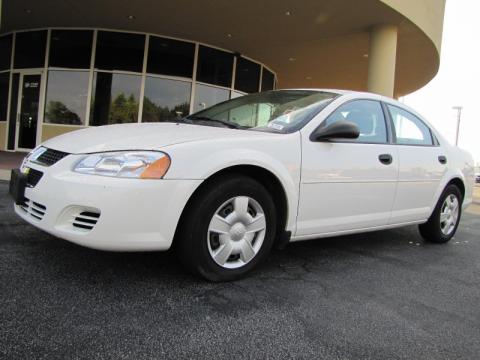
[367, 95]
[364, 94]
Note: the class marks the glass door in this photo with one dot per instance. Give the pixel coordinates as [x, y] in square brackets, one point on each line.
[28, 109]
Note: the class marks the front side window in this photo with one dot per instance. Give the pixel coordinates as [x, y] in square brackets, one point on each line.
[367, 115]
[409, 129]
[276, 111]
[66, 100]
[115, 98]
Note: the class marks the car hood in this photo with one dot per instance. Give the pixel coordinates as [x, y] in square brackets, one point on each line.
[150, 136]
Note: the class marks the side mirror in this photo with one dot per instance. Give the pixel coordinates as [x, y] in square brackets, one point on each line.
[338, 130]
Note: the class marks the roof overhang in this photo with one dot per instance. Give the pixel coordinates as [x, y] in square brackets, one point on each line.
[309, 43]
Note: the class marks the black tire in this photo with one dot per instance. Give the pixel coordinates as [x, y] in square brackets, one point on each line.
[192, 239]
[431, 230]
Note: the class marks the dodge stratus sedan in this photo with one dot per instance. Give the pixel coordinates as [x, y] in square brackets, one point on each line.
[226, 184]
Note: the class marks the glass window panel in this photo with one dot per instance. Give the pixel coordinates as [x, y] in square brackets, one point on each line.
[71, 48]
[206, 96]
[165, 99]
[409, 129]
[367, 115]
[268, 80]
[247, 76]
[30, 49]
[4, 84]
[119, 51]
[214, 66]
[5, 51]
[115, 98]
[66, 99]
[170, 57]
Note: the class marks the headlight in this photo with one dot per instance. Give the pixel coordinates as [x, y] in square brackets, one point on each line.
[126, 164]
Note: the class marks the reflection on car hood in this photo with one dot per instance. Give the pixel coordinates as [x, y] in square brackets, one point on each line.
[149, 136]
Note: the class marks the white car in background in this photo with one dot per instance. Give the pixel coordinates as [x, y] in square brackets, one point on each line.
[226, 184]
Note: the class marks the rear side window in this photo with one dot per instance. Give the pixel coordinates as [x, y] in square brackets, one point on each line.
[367, 115]
[409, 129]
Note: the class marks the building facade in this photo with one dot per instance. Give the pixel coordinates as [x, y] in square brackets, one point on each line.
[66, 65]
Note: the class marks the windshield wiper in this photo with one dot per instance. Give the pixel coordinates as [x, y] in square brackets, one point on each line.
[223, 122]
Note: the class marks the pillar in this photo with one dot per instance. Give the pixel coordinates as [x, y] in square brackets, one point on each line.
[382, 59]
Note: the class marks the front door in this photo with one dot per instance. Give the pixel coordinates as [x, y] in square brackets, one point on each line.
[348, 185]
[28, 111]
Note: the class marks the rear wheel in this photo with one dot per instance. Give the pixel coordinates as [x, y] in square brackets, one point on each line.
[228, 228]
[443, 223]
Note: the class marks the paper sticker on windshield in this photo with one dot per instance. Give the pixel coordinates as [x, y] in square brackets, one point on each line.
[275, 126]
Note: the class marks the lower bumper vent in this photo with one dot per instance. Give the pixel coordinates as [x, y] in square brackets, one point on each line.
[86, 220]
[34, 209]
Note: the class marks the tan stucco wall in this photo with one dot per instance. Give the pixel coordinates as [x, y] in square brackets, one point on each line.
[3, 134]
[426, 14]
[50, 131]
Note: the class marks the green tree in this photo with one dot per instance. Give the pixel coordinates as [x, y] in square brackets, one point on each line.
[123, 109]
[57, 112]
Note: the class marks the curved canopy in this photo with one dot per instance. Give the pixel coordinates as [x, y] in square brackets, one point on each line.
[308, 43]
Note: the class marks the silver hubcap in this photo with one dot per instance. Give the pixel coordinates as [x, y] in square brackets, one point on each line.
[449, 214]
[236, 232]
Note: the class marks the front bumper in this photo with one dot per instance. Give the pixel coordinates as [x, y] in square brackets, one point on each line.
[121, 214]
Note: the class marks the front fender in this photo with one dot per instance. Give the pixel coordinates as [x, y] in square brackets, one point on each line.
[280, 155]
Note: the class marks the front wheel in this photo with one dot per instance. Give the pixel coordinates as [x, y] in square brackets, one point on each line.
[228, 228]
[443, 223]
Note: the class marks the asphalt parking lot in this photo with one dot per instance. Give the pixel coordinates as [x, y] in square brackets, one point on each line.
[384, 295]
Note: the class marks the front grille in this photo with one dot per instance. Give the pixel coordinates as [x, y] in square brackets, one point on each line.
[33, 177]
[50, 157]
[34, 209]
[86, 220]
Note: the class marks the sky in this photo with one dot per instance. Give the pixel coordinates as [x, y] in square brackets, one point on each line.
[458, 80]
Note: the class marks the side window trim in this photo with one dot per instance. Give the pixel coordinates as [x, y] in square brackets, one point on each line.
[391, 136]
[434, 142]
[386, 122]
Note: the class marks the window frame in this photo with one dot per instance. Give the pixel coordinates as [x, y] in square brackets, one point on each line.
[433, 137]
[388, 129]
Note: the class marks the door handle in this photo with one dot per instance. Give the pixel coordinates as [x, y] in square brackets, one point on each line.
[442, 159]
[385, 159]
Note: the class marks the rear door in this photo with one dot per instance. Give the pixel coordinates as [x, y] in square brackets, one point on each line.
[422, 166]
[348, 185]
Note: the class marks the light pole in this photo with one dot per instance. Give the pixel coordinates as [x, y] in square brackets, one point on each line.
[459, 116]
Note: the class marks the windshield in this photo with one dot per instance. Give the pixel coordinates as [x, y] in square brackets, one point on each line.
[276, 111]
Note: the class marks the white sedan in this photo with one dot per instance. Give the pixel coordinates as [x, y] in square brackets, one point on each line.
[226, 184]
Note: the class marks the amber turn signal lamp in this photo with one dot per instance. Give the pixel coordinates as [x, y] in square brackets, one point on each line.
[157, 169]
